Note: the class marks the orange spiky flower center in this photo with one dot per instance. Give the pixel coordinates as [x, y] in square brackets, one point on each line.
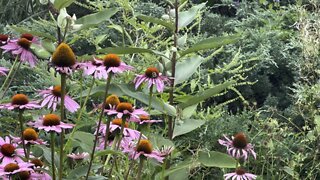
[37, 162]
[30, 134]
[27, 36]
[10, 167]
[51, 120]
[124, 106]
[7, 150]
[152, 72]
[56, 91]
[240, 171]
[4, 37]
[25, 43]
[118, 122]
[144, 117]
[112, 100]
[23, 175]
[19, 99]
[63, 56]
[144, 146]
[111, 60]
[240, 141]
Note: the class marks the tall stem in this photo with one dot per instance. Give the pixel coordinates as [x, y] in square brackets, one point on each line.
[173, 70]
[79, 116]
[14, 74]
[8, 76]
[21, 129]
[63, 92]
[140, 167]
[52, 156]
[99, 123]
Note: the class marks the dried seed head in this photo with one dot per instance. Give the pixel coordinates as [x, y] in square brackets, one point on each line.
[111, 60]
[19, 99]
[240, 141]
[63, 56]
[51, 120]
[152, 72]
[145, 146]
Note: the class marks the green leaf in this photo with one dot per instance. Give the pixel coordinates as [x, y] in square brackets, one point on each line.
[48, 45]
[164, 23]
[186, 17]
[98, 17]
[59, 4]
[35, 33]
[188, 111]
[201, 96]
[47, 155]
[317, 122]
[129, 50]
[186, 126]
[210, 43]
[82, 170]
[108, 151]
[40, 51]
[217, 159]
[156, 103]
[186, 68]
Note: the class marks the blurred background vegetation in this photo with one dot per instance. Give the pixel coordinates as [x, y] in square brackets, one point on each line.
[278, 109]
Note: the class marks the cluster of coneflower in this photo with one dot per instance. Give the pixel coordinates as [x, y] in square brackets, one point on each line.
[113, 125]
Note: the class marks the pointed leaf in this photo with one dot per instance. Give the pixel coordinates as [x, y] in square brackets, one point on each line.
[40, 51]
[35, 33]
[98, 17]
[186, 17]
[217, 159]
[164, 23]
[186, 68]
[129, 50]
[211, 43]
[59, 4]
[201, 96]
[186, 126]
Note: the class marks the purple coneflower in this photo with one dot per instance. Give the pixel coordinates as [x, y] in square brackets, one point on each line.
[113, 64]
[38, 174]
[78, 156]
[22, 169]
[240, 174]
[127, 110]
[144, 148]
[21, 48]
[238, 147]
[3, 71]
[52, 97]
[63, 59]
[20, 101]
[9, 151]
[50, 122]
[166, 150]
[153, 77]
[94, 68]
[30, 137]
[3, 39]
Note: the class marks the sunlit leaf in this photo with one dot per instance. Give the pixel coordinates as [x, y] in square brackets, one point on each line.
[98, 17]
[217, 159]
[35, 33]
[40, 51]
[164, 23]
[129, 50]
[186, 68]
[59, 4]
[186, 126]
[186, 17]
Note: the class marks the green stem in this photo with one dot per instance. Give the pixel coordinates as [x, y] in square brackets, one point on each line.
[116, 139]
[140, 168]
[63, 92]
[21, 129]
[8, 76]
[79, 116]
[52, 156]
[107, 132]
[123, 122]
[99, 123]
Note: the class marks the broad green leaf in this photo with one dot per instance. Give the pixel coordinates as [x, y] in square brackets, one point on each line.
[211, 43]
[188, 111]
[47, 155]
[98, 17]
[182, 40]
[59, 4]
[164, 23]
[129, 50]
[40, 51]
[156, 103]
[186, 17]
[186, 126]
[48, 45]
[82, 171]
[201, 96]
[160, 141]
[181, 174]
[35, 33]
[217, 159]
[108, 151]
[186, 68]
